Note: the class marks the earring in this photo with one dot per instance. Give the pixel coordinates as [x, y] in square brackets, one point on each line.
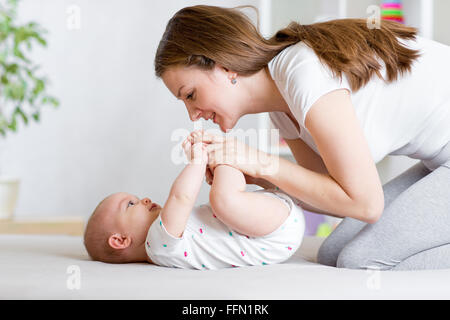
[233, 81]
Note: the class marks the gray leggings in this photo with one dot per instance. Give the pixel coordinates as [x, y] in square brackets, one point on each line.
[412, 234]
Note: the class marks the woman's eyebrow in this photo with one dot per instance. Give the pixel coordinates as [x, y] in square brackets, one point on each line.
[179, 91]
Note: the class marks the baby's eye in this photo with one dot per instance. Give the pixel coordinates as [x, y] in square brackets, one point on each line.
[130, 202]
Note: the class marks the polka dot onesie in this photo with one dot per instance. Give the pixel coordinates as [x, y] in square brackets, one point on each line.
[207, 243]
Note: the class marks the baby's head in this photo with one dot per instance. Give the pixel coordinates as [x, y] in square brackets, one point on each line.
[117, 229]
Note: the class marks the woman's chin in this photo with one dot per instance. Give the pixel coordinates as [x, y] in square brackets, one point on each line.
[222, 129]
[225, 127]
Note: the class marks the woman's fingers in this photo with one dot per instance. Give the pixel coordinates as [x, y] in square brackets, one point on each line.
[205, 137]
[236, 154]
[197, 136]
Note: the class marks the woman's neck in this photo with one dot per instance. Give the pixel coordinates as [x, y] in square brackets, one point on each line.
[264, 94]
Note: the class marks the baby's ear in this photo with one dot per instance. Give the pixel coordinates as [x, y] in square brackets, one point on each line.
[118, 241]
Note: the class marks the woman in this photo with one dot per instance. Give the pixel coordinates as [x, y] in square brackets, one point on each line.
[343, 96]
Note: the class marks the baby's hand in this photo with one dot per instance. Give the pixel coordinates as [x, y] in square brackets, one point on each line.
[196, 153]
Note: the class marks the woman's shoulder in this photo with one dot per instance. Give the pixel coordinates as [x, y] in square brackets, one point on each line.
[299, 51]
[298, 61]
[291, 57]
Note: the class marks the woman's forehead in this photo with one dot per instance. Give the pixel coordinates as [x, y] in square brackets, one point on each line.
[181, 73]
[176, 78]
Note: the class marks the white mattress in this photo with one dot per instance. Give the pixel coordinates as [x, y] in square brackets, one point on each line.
[36, 267]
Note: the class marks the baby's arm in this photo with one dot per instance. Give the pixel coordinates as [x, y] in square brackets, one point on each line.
[185, 189]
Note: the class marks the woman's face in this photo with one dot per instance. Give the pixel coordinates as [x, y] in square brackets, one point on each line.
[208, 94]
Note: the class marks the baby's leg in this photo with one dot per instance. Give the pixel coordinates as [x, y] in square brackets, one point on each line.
[250, 213]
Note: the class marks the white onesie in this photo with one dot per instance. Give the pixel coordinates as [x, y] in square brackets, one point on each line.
[207, 243]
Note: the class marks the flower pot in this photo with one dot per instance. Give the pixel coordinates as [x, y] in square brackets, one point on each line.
[9, 190]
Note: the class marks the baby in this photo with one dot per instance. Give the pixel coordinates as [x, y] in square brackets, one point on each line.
[236, 228]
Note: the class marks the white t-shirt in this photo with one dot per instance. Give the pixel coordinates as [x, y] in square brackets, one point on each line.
[410, 116]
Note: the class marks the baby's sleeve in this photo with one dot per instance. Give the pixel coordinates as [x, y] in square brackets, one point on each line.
[161, 246]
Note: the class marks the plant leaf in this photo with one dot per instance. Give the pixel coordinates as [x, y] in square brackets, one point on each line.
[22, 114]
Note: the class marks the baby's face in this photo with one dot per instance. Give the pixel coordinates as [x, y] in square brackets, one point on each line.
[131, 215]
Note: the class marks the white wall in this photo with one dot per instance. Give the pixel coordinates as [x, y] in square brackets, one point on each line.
[112, 131]
[441, 21]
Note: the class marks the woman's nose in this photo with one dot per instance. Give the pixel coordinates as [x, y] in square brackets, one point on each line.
[194, 114]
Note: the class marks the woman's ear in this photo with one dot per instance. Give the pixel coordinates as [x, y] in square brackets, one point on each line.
[221, 67]
[230, 74]
[118, 241]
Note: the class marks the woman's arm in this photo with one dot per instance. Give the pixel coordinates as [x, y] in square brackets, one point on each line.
[352, 187]
[320, 192]
[308, 159]
[280, 172]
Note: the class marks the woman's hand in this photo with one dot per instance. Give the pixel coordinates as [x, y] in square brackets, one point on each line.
[230, 151]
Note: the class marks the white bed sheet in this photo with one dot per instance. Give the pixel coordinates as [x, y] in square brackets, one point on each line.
[36, 267]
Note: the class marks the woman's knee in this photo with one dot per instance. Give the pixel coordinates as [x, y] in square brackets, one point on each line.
[354, 256]
[348, 259]
[327, 254]
[360, 256]
[337, 240]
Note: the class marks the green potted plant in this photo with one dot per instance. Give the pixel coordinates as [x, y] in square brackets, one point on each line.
[22, 91]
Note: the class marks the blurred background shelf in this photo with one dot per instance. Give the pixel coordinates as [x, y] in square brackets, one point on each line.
[73, 226]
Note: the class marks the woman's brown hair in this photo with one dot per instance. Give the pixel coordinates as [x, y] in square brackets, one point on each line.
[202, 36]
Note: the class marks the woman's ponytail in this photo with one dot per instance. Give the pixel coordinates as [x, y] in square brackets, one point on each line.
[348, 46]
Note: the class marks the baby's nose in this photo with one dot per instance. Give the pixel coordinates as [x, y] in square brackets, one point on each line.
[146, 201]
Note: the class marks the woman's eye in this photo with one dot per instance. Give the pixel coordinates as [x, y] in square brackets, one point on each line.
[190, 96]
